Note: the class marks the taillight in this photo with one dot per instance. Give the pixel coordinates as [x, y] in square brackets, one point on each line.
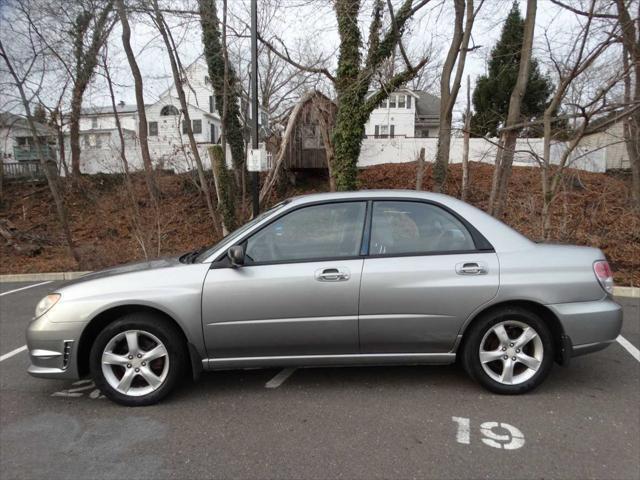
[604, 275]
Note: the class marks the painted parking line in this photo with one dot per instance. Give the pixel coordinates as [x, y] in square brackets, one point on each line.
[629, 347]
[12, 353]
[24, 288]
[280, 378]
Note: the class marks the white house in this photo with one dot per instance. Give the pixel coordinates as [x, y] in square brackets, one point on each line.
[405, 113]
[19, 156]
[167, 132]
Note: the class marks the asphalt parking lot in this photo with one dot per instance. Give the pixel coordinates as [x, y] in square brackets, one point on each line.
[398, 422]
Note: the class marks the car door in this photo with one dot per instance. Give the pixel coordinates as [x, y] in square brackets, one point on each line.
[422, 279]
[297, 293]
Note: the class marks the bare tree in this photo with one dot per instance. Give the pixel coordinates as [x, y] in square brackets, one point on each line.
[88, 34]
[176, 68]
[20, 78]
[509, 135]
[456, 56]
[143, 131]
[586, 47]
[465, 145]
[631, 42]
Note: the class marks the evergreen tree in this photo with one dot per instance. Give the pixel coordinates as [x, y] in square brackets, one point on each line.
[493, 90]
[40, 114]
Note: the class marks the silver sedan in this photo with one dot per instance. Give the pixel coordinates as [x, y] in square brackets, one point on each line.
[358, 278]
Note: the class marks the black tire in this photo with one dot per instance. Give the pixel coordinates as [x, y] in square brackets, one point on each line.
[157, 326]
[474, 337]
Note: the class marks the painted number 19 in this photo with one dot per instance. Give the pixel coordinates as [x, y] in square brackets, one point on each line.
[492, 434]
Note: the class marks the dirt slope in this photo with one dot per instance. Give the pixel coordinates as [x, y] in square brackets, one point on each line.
[593, 209]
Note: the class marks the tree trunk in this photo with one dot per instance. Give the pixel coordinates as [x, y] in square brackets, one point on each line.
[502, 171]
[143, 131]
[74, 131]
[204, 185]
[447, 100]
[631, 42]
[347, 142]
[61, 150]
[214, 53]
[465, 145]
[272, 176]
[224, 189]
[420, 169]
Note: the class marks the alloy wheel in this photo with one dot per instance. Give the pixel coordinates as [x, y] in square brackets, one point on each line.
[135, 362]
[511, 352]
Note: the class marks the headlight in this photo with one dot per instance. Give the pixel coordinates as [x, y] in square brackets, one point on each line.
[46, 304]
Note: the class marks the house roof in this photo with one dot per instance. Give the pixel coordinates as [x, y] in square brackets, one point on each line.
[108, 110]
[11, 120]
[426, 104]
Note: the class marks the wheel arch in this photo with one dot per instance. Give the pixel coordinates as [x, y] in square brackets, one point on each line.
[110, 315]
[550, 319]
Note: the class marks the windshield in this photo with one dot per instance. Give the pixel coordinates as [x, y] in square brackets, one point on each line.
[238, 232]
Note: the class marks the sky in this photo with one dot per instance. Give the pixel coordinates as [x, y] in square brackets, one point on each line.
[310, 24]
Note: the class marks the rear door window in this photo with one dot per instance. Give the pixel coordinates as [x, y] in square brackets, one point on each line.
[415, 227]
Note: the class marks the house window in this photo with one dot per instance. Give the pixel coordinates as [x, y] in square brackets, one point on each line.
[94, 122]
[384, 131]
[153, 129]
[213, 132]
[263, 119]
[169, 110]
[383, 103]
[401, 101]
[392, 129]
[212, 102]
[207, 80]
[392, 101]
[196, 126]
[408, 101]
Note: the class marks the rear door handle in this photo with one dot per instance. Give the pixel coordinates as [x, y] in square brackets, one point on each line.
[332, 275]
[471, 268]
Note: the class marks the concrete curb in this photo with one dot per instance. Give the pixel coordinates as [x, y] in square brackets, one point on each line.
[40, 277]
[631, 292]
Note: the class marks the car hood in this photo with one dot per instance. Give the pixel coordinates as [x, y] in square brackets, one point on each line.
[126, 268]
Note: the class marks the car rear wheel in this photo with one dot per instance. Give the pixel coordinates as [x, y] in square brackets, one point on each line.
[137, 360]
[509, 351]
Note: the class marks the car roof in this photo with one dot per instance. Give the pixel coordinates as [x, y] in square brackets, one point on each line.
[399, 193]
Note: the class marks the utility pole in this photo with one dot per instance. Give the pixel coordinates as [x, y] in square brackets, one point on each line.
[255, 176]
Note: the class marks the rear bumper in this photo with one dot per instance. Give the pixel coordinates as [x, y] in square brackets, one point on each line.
[590, 326]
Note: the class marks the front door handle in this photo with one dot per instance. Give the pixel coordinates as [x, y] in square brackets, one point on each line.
[332, 275]
[471, 268]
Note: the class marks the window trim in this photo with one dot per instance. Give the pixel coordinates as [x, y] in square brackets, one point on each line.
[481, 243]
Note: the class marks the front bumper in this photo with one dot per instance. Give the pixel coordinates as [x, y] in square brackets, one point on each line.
[53, 348]
[591, 326]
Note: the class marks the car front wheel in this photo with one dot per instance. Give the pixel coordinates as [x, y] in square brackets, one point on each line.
[137, 360]
[509, 351]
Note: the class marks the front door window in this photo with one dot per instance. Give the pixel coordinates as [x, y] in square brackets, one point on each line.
[329, 231]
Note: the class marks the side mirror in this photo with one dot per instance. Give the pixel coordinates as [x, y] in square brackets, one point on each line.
[236, 255]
